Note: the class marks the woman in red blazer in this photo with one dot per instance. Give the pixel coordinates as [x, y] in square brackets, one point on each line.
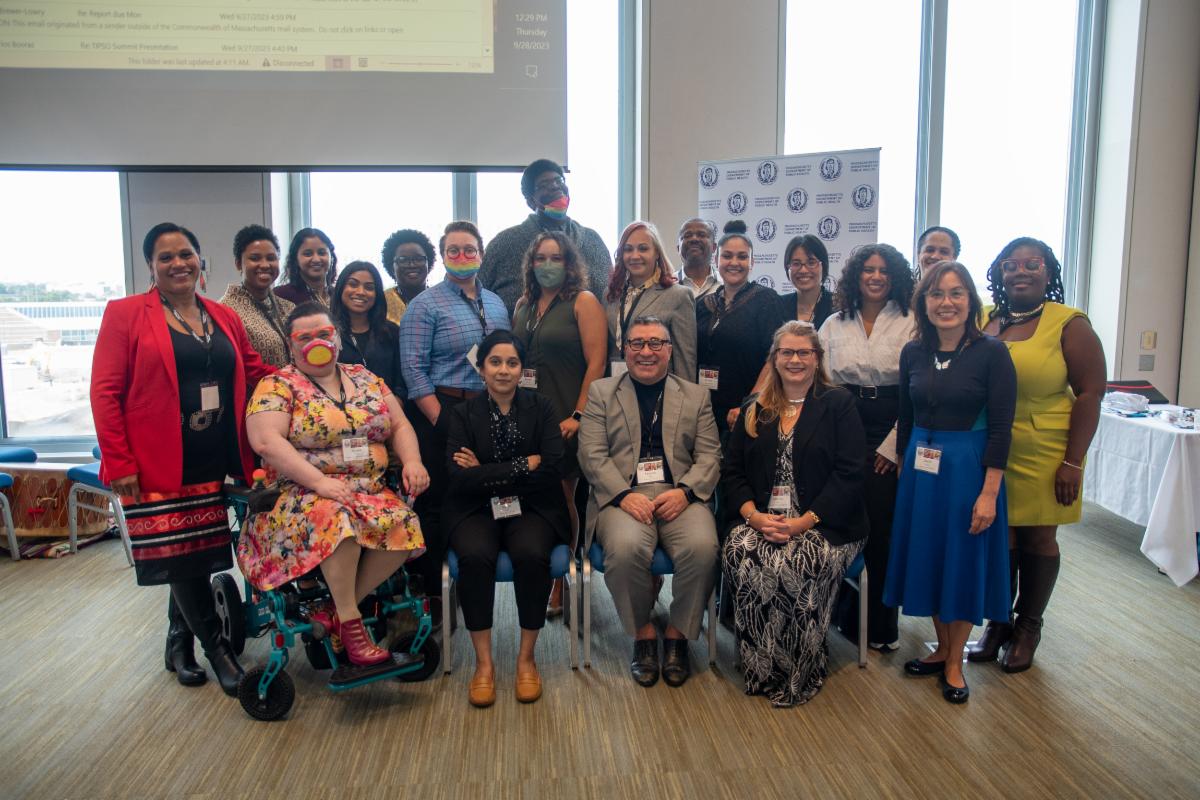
[170, 377]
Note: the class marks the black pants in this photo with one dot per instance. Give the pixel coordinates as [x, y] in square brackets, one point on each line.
[879, 491]
[528, 540]
[428, 505]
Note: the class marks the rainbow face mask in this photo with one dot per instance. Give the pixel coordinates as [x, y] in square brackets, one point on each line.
[463, 266]
[557, 209]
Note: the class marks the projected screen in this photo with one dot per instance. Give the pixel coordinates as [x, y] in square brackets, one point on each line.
[306, 35]
[278, 84]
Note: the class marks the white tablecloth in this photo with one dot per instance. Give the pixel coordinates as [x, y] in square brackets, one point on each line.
[1148, 471]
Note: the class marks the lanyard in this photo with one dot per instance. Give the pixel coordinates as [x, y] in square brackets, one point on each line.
[535, 319]
[339, 401]
[204, 341]
[627, 317]
[476, 306]
[270, 312]
[648, 434]
[718, 306]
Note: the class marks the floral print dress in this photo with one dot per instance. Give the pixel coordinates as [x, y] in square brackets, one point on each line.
[303, 528]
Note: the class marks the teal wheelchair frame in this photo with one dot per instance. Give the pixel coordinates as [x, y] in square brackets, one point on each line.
[267, 692]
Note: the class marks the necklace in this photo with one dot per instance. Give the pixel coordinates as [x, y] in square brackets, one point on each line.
[1017, 317]
[793, 408]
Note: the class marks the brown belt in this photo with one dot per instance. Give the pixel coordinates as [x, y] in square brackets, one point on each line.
[453, 391]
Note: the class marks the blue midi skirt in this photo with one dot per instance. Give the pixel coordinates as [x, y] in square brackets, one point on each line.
[936, 566]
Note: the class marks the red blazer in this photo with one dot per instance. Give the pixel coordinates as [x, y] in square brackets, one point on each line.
[135, 391]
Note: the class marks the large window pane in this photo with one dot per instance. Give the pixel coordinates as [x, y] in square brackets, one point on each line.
[65, 260]
[592, 144]
[1009, 81]
[853, 76]
[359, 210]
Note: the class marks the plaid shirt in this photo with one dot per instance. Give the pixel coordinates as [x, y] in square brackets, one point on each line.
[439, 327]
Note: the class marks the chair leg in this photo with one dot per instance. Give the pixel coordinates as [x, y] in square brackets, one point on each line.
[586, 599]
[122, 528]
[9, 529]
[447, 633]
[712, 629]
[863, 588]
[72, 516]
[572, 592]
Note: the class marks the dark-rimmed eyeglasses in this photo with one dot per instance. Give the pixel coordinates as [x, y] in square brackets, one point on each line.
[1031, 264]
[636, 345]
[787, 353]
[409, 261]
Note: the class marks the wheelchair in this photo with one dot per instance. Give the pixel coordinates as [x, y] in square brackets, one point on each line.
[267, 692]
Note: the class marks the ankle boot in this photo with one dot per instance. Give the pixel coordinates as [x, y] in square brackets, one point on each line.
[359, 648]
[180, 656]
[1037, 577]
[194, 599]
[995, 636]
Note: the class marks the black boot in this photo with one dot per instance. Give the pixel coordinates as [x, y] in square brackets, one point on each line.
[180, 656]
[194, 599]
[1037, 578]
[997, 633]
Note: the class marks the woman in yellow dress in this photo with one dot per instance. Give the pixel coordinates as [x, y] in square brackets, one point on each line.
[1060, 381]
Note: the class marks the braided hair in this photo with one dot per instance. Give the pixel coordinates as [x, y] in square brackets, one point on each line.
[1054, 284]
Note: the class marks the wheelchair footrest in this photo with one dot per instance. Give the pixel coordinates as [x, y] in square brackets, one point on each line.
[348, 676]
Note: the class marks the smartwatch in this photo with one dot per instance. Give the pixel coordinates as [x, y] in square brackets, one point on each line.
[577, 415]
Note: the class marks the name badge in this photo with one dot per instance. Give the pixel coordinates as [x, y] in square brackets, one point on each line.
[929, 459]
[210, 397]
[710, 377]
[618, 368]
[528, 379]
[356, 448]
[650, 470]
[505, 507]
[781, 499]
[471, 355]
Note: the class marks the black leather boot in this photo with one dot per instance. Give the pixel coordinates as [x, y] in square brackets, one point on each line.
[194, 599]
[1037, 578]
[997, 633]
[180, 656]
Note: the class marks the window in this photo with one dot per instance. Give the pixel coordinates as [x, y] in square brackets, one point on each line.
[359, 210]
[852, 79]
[65, 259]
[1009, 83]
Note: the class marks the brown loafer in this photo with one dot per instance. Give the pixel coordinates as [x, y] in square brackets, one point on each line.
[482, 691]
[529, 686]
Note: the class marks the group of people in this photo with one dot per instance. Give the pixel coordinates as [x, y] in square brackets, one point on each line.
[770, 439]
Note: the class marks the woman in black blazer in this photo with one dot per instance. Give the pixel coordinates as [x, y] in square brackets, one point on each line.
[504, 453]
[793, 472]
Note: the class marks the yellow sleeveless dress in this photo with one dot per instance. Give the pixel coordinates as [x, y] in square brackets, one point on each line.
[1041, 423]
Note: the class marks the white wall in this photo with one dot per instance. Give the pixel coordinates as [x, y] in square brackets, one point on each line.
[1189, 368]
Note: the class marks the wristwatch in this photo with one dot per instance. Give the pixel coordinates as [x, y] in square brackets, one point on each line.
[689, 495]
[577, 415]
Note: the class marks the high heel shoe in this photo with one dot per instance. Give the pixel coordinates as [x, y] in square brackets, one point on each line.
[995, 636]
[359, 647]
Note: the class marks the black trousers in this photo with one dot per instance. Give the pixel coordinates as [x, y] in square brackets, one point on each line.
[879, 491]
[428, 505]
[528, 540]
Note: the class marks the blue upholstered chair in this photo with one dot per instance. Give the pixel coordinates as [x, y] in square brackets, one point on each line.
[562, 565]
[12, 455]
[856, 576]
[86, 482]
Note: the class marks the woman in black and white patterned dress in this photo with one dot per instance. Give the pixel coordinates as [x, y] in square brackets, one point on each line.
[793, 471]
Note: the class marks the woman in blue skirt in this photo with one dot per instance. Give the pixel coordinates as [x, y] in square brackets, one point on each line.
[949, 555]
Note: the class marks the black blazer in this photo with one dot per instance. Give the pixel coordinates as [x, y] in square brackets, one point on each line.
[471, 490]
[821, 312]
[827, 454]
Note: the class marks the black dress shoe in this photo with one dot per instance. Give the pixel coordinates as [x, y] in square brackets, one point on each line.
[180, 658]
[644, 666]
[224, 663]
[919, 667]
[676, 666]
[954, 694]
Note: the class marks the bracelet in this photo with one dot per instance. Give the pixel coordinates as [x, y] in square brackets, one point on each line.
[749, 517]
[1073, 466]
[816, 519]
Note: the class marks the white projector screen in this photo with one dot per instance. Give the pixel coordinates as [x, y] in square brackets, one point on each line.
[279, 84]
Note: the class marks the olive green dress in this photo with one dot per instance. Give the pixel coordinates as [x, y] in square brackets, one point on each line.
[554, 348]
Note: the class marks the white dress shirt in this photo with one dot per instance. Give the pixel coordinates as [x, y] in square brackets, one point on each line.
[855, 358]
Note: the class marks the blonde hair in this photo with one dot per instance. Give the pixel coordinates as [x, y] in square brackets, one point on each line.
[772, 398]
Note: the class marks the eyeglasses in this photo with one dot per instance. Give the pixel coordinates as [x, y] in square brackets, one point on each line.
[547, 184]
[955, 295]
[811, 263]
[454, 251]
[787, 353]
[410, 261]
[1033, 264]
[636, 345]
[306, 336]
[554, 259]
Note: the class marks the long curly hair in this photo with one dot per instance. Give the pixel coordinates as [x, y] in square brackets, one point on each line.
[616, 284]
[772, 398]
[376, 314]
[1054, 284]
[291, 268]
[575, 280]
[899, 272]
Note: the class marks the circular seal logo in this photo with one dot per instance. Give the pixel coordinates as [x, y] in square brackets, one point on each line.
[797, 200]
[863, 197]
[766, 280]
[828, 227]
[767, 173]
[765, 229]
[736, 203]
[831, 168]
[709, 175]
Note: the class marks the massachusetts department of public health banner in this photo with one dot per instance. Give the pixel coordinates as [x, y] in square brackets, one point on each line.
[834, 196]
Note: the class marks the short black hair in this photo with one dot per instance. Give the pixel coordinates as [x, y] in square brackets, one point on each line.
[308, 308]
[735, 229]
[814, 247]
[650, 319]
[954, 242]
[531, 173]
[404, 236]
[165, 228]
[376, 315]
[250, 234]
[495, 338]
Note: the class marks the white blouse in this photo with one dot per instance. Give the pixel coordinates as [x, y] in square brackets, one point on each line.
[853, 357]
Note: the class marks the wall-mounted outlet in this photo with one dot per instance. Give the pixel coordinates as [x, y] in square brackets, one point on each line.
[1149, 340]
[1146, 363]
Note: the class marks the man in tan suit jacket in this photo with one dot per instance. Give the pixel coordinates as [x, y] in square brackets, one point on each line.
[648, 446]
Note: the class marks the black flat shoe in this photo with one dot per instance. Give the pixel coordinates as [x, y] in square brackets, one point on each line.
[676, 666]
[644, 665]
[954, 694]
[919, 667]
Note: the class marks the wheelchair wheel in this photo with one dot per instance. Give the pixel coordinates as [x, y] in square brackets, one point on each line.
[431, 651]
[230, 611]
[280, 695]
[318, 656]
